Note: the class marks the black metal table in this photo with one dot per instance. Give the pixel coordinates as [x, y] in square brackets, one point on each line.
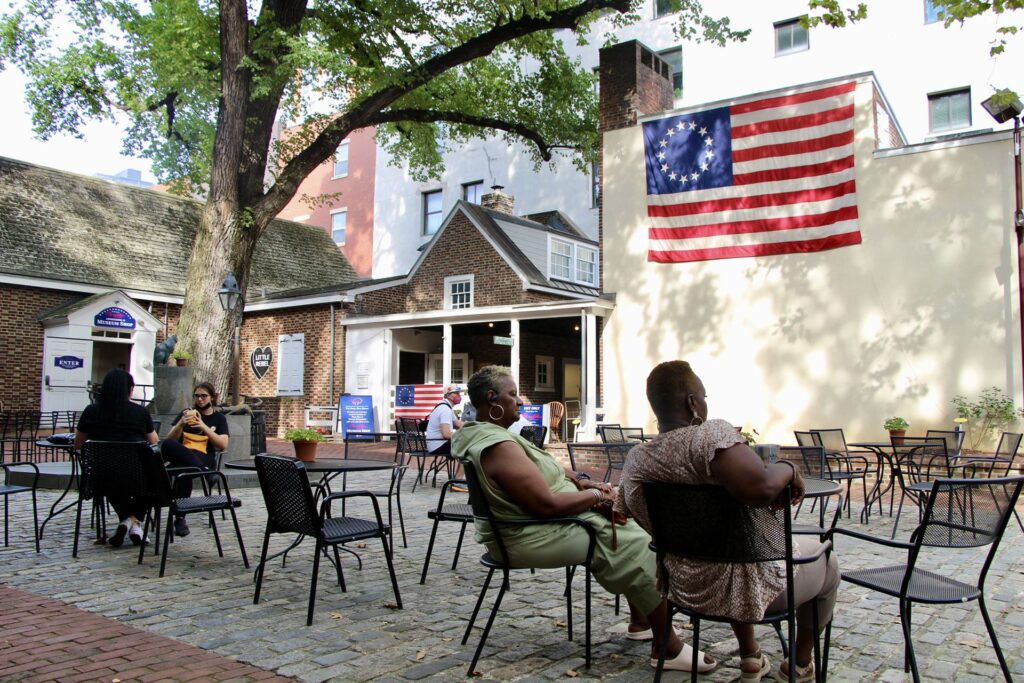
[883, 456]
[69, 448]
[821, 488]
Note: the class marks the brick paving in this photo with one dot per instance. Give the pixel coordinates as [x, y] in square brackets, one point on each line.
[203, 608]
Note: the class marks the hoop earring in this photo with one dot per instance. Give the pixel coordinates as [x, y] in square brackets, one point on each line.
[490, 412]
[698, 419]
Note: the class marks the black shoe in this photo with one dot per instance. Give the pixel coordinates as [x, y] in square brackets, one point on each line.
[181, 527]
[118, 538]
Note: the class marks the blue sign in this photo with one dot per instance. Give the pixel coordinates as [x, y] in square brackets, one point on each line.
[68, 362]
[114, 317]
[534, 414]
[356, 414]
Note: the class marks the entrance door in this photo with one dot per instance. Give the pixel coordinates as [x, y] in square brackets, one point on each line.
[571, 382]
[460, 368]
[67, 373]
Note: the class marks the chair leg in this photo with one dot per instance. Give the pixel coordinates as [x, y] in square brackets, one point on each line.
[458, 546]
[147, 521]
[312, 582]
[339, 570]
[262, 565]
[391, 571]
[35, 519]
[167, 542]
[490, 622]
[78, 528]
[238, 533]
[899, 512]
[586, 614]
[909, 660]
[476, 608]
[401, 517]
[995, 641]
[216, 536]
[824, 655]
[430, 549]
[7, 514]
[568, 600]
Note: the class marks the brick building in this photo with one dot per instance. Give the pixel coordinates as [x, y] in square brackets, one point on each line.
[92, 277]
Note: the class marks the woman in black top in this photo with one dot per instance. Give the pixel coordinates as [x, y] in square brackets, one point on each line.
[115, 418]
[195, 437]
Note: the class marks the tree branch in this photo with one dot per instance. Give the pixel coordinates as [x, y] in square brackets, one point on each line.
[433, 116]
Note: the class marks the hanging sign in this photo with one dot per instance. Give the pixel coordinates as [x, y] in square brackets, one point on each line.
[68, 362]
[114, 317]
[502, 341]
[534, 414]
[356, 414]
[260, 360]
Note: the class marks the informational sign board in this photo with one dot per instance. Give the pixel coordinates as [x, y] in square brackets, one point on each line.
[356, 414]
[114, 317]
[68, 362]
[260, 360]
[534, 414]
[502, 341]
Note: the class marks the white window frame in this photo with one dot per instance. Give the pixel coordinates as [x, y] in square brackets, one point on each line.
[790, 25]
[473, 183]
[548, 363]
[945, 96]
[426, 215]
[334, 171]
[335, 212]
[435, 364]
[677, 92]
[291, 347]
[658, 14]
[458, 279]
[575, 250]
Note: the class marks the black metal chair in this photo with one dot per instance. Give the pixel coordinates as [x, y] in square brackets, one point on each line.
[413, 445]
[958, 513]
[483, 515]
[291, 509]
[843, 464]
[704, 522]
[160, 483]
[393, 493]
[954, 439]
[534, 433]
[620, 444]
[452, 512]
[7, 490]
[111, 468]
[1001, 462]
[917, 462]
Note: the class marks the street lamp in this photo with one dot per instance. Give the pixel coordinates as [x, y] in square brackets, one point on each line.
[1003, 108]
[229, 294]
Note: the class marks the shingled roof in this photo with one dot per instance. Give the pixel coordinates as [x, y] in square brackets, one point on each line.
[56, 225]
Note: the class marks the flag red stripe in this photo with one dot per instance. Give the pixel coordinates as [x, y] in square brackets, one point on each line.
[807, 171]
[771, 102]
[763, 225]
[788, 148]
[793, 122]
[752, 202]
[773, 249]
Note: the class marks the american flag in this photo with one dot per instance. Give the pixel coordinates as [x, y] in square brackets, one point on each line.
[417, 400]
[771, 175]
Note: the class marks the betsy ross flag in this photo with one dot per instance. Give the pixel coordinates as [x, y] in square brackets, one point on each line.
[771, 175]
[417, 400]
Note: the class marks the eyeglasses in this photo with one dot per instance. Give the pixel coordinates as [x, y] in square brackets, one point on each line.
[200, 396]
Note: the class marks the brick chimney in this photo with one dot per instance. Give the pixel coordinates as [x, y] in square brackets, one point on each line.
[498, 200]
[634, 82]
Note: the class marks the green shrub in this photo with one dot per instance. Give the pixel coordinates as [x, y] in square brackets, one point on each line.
[992, 411]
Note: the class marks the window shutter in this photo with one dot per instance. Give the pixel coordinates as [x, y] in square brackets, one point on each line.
[291, 364]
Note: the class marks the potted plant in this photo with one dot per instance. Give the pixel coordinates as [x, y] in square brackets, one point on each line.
[305, 440]
[181, 357]
[897, 428]
[985, 417]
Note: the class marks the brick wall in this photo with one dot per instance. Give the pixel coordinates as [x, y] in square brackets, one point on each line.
[460, 250]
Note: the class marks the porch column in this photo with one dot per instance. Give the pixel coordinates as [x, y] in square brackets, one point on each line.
[446, 350]
[513, 361]
[588, 423]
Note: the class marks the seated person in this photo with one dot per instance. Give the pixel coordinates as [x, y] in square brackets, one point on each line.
[195, 437]
[115, 418]
[442, 422]
[689, 449]
[521, 480]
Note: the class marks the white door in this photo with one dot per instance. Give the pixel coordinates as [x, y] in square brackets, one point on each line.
[67, 371]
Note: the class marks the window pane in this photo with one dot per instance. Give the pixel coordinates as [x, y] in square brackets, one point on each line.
[790, 36]
[339, 219]
[341, 161]
[460, 294]
[595, 185]
[932, 13]
[674, 59]
[472, 192]
[586, 265]
[431, 212]
[561, 259]
[949, 111]
[662, 7]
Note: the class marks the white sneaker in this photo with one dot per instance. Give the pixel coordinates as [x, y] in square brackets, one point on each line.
[135, 533]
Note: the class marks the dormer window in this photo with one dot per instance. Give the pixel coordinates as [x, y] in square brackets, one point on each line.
[458, 292]
[572, 262]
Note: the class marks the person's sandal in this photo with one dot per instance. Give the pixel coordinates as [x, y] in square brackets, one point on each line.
[684, 659]
[803, 674]
[759, 659]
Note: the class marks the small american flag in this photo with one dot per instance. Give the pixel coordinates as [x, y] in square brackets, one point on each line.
[771, 175]
[417, 400]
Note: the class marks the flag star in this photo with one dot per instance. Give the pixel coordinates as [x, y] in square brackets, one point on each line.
[703, 131]
[708, 142]
[693, 125]
[661, 156]
[695, 175]
[710, 153]
[663, 142]
[704, 166]
[672, 175]
[670, 132]
[682, 178]
[680, 125]
[664, 168]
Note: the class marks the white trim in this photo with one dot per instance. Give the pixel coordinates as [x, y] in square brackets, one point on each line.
[574, 246]
[334, 160]
[83, 288]
[455, 279]
[559, 309]
[969, 139]
[334, 212]
[298, 302]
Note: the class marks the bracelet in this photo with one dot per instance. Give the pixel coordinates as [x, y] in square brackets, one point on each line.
[597, 494]
[580, 476]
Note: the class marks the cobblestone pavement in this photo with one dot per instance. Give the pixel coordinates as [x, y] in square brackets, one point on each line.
[206, 601]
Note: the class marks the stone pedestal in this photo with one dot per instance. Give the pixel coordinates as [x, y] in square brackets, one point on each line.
[172, 391]
[240, 429]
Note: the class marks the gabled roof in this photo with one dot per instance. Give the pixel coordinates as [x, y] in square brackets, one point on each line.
[62, 226]
[505, 233]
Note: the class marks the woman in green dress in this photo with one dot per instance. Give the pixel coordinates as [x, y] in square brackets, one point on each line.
[521, 480]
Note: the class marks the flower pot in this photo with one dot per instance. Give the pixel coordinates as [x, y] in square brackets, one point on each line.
[182, 362]
[897, 436]
[305, 450]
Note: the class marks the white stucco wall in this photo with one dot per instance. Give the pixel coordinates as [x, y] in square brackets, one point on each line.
[924, 309]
